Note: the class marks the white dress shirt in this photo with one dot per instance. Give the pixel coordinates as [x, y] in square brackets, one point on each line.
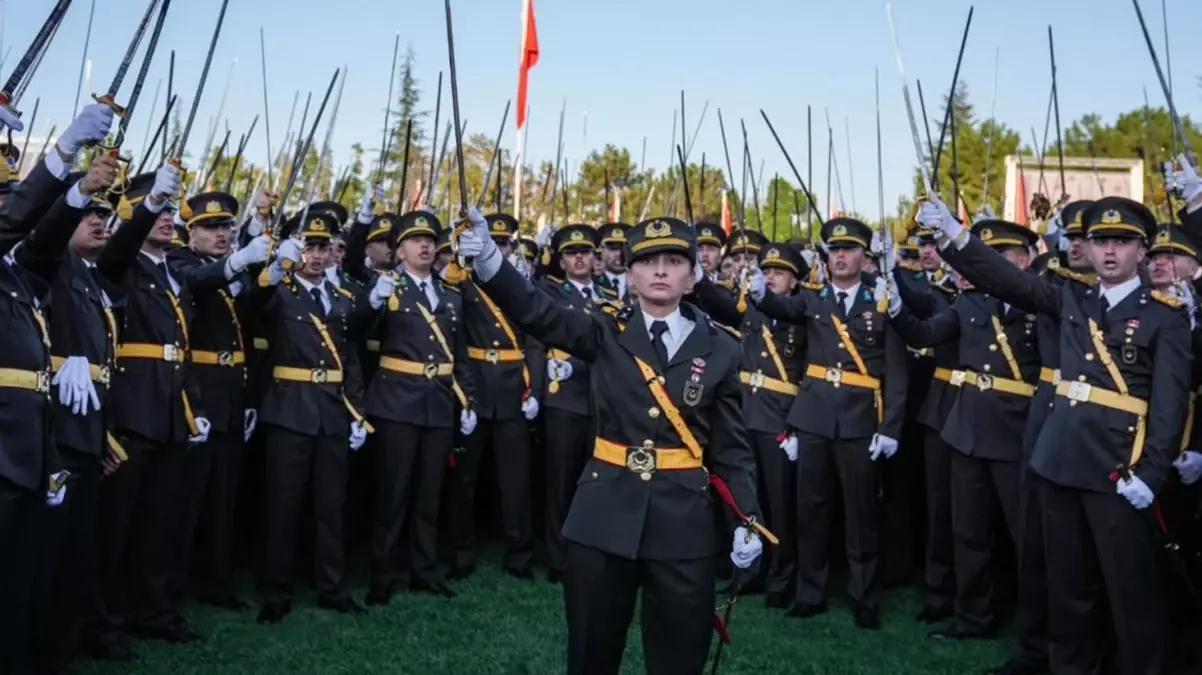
[590, 293]
[851, 296]
[619, 282]
[321, 288]
[431, 294]
[1117, 293]
[156, 261]
[678, 331]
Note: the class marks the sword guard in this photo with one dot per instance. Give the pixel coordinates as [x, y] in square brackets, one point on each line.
[107, 100]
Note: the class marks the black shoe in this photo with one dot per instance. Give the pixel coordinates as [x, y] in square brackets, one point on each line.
[866, 619]
[274, 612]
[229, 602]
[776, 601]
[525, 574]
[433, 587]
[379, 596]
[342, 606]
[175, 633]
[958, 632]
[806, 611]
[461, 573]
[554, 576]
[1017, 668]
[931, 614]
[116, 650]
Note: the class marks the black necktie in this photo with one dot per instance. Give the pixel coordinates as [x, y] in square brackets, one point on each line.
[321, 307]
[841, 298]
[1105, 305]
[166, 277]
[425, 299]
[658, 328]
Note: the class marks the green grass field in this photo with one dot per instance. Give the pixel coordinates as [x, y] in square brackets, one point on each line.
[501, 626]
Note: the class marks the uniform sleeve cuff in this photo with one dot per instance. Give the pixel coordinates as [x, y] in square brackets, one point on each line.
[55, 164]
[76, 199]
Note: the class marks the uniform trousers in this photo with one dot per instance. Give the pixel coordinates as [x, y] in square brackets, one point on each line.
[901, 507]
[140, 503]
[600, 590]
[568, 446]
[980, 488]
[408, 467]
[210, 496]
[19, 515]
[939, 575]
[823, 466]
[298, 464]
[778, 501]
[1031, 612]
[510, 441]
[1097, 543]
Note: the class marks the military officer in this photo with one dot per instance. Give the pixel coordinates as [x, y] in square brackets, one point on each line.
[666, 406]
[995, 381]
[710, 241]
[743, 248]
[1112, 434]
[613, 240]
[848, 414]
[312, 398]
[423, 375]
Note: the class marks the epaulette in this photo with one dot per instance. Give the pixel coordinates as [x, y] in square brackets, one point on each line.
[449, 287]
[734, 333]
[1166, 299]
[946, 289]
[910, 265]
[726, 283]
[1086, 279]
[553, 279]
[345, 292]
[812, 286]
[606, 290]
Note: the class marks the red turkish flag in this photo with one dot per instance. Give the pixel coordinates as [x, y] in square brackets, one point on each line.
[726, 223]
[528, 58]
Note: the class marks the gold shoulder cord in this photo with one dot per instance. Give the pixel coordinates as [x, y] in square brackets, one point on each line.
[661, 396]
[1099, 345]
[513, 339]
[446, 348]
[1004, 343]
[780, 365]
[329, 342]
[855, 356]
[189, 416]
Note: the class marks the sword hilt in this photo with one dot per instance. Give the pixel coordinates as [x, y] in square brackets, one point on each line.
[107, 100]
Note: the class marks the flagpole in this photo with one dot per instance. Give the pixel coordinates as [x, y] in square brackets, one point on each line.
[517, 173]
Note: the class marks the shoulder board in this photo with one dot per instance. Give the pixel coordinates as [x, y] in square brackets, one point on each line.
[733, 333]
[726, 283]
[610, 310]
[946, 289]
[553, 279]
[450, 288]
[344, 292]
[1166, 299]
[910, 265]
[606, 290]
[1087, 279]
[812, 286]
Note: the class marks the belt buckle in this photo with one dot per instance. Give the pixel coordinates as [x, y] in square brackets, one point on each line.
[492, 356]
[834, 376]
[104, 375]
[319, 376]
[430, 371]
[641, 459]
[1079, 392]
[170, 353]
[756, 380]
[957, 378]
[1055, 377]
[984, 382]
[42, 383]
[225, 359]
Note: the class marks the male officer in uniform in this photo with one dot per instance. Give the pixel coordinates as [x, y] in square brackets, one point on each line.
[411, 400]
[995, 380]
[1113, 432]
[848, 414]
[505, 365]
[710, 241]
[310, 402]
[743, 248]
[613, 242]
[666, 408]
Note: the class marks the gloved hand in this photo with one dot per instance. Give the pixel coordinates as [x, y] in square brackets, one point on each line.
[1183, 291]
[250, 419]
[384, 288]
[75, 388]
[202, 426]
[530, 408]
[467, 422]
[1189, 465]
[289, 249]
[1135, 491]
[789, 445]
[877, 245]
[984, 213]
[559, 369]
[935, 215]
[358, 436]
[255, 251]
[881, 446]
[543, 238]
[166, 183]
[9, 119]
[367, 211]
[887, 257]
[746, 547]
[56, 495]
[755, 284]
[477, 244]
[90, 127]
[1055, 228]
[1191, 186]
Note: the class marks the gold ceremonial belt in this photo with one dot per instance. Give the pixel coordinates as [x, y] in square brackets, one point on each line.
[495, 356]
[838, 376]
[99, 374]
[29, 380]
[943, 374]
[138, 350]
[1080, 392]
[645, 459]
[310, 375]
[227, 359]
[762, 381]
[984, 382]
[429, 370]
[1049, 375]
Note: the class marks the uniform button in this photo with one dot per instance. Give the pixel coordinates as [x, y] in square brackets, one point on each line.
[431, 357]
[993, 348]
[986, 367]
[841, 346]
[660, 379]
[321, 363]
[1080, 378]
[653, 412]
[431, 337]
[498, 325]
[1130, 430]
[496, 343]
[594, 474]
[1089, 357]
[763, 355]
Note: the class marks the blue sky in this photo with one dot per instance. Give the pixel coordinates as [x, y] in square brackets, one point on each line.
[624, 62]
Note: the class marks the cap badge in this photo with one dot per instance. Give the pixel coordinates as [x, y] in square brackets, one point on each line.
[318, 225]
[839, 231]
[577, 235]
[986, 234]
[1111, 217]
[1163, 237]
[707, 232]
[912, 240]
[213, 207]
[499, 226]
[658, 229]
[387, 223]
[772, 254]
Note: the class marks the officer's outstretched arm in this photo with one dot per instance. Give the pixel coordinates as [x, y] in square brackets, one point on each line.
[718, 303]
[920, 333]
[121, 250]
[581, 335]
[986, 269]
[45, 248]
[895, 382]
[790, 308]
[918, 296]
[28, 203]
[1167, 406]
[196, 275]
[729, 452]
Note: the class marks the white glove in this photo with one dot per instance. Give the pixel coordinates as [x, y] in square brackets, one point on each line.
[888, 259]
[755, 284]
[746, 548]
[789, 445]
[1183, 292]
[935, 215]
[1189, 465]
[877, 245]
[1055, 228]
[384, 288]
[202, 427]
[543, 238]
[1135, 491]
[166, 182]
[9, 119]
[518, 261]
[881, 445]
[895, 301]
[478, 245]
[467, 422]
[75, 388]
[530, 408]
[255, 251]
[1187, 179]
[289, 249]
[250, 419]
[90, 127]
[559, 369]
[367, 211]
[983, 213]
[56, 497]
[358, 436]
